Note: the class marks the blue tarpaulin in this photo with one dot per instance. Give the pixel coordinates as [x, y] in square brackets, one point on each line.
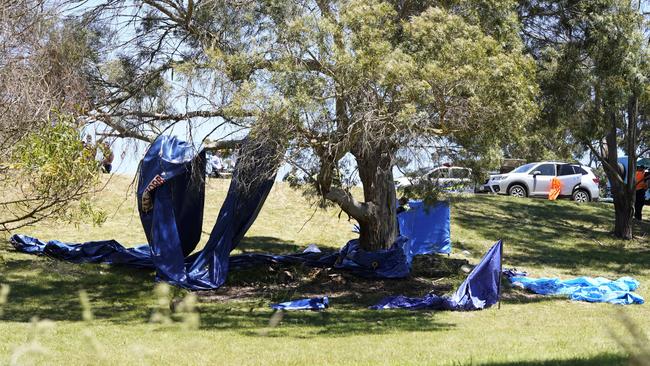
[171, 195]
[426, 227]
[591, 289]
[170, 200]
[315, 303]
[481, 289]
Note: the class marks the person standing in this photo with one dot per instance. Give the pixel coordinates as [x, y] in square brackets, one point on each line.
[641, 187]
[402, 206]
[107, 157]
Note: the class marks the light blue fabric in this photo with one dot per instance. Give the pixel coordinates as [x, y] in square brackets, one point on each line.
[315, 303]
[591, 289]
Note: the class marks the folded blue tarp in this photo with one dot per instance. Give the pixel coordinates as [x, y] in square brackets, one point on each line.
[171, 195]
[315, 303]
[591, 289]
[481, 289]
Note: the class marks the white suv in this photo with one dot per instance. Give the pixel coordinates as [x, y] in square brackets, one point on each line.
[578, 182]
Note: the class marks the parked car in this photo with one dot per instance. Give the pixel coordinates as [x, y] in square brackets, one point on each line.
[449, 177]
[534, 179]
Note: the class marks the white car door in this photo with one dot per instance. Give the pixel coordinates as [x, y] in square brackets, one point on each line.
[569, 178]
[542, 176]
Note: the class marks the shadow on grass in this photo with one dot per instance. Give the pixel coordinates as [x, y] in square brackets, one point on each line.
[49, 289]
[327, 323]
[562, 235]
[514, 296]
[267, 244]
[601, 359]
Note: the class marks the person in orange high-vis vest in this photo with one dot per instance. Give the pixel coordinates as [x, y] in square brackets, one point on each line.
[556, 187]
[641, 187]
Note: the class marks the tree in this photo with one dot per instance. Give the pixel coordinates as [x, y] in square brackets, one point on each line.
[593, 67]
[346, 85]
[44, 168]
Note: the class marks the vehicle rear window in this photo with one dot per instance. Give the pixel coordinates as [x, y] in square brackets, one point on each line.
[566, 169]
[580, 170]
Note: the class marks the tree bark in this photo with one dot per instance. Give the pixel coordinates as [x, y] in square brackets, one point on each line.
[379, 228]
[624, 209]
[622, 185]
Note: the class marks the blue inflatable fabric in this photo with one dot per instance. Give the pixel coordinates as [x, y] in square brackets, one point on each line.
[315, 303]
[427, 227]
[388, 263]
[170, 200]
[591, 289]
[481, 289]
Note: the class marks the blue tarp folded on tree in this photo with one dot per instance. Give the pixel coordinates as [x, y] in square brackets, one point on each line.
[481, 289]
[591, 289]
[171, 195]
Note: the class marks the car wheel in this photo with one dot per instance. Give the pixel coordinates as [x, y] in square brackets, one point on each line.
[517, 190]
[581, 196]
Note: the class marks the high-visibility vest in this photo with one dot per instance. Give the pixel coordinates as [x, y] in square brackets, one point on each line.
[640, 180]
[556, 187]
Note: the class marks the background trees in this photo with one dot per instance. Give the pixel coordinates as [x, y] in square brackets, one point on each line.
[593, 70]
[44, 168]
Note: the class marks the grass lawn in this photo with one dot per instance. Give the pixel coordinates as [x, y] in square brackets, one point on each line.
[236, 325]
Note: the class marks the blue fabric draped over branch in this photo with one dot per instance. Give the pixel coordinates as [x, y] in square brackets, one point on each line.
[171, 195]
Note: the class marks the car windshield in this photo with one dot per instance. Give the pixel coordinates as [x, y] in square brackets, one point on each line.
[524, 168]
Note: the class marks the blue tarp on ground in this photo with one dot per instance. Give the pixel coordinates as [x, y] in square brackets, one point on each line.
[315, 303]
[481, 289]
[591, 289]
[171, 194]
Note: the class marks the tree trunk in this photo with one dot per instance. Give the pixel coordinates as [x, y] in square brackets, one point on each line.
[378, 229]
[622, 184]
[623, 220]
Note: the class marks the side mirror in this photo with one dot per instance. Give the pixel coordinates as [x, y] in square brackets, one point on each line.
[536, 173]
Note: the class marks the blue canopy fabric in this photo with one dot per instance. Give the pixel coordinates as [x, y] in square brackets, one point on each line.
[591, 289]
[171, 195]
[315, 303]
[427, 227]
[481, 289]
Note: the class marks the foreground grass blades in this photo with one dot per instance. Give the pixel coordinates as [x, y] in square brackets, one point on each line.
[544, 238]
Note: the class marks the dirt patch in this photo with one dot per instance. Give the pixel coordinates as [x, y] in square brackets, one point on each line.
[430, 273]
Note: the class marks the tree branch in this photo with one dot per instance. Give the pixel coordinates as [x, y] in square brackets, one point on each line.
[359, 211]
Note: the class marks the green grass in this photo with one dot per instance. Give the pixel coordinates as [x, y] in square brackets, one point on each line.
[541, 237]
